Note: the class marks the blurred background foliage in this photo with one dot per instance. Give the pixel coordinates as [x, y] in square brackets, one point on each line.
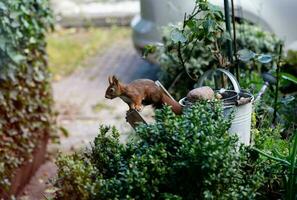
[202, 58]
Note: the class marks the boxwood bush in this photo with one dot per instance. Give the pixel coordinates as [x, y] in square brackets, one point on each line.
[191, 156]
[25, 92]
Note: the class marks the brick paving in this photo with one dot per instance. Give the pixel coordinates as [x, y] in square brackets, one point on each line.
[82, 106]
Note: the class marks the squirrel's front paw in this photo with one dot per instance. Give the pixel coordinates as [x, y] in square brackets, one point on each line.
[138, 108]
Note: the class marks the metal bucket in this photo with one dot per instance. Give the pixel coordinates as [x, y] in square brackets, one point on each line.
[241, 123]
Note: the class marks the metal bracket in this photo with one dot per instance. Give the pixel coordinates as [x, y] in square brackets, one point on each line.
[158, 83]
[134, 118]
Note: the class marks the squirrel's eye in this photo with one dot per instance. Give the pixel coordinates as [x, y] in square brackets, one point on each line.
[112, 89]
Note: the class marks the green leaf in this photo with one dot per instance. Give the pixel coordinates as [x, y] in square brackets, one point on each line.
[2, 43]
[191, 24]
[208, 25]
[25, 10]
[287, 99]
[32, 40]
[3, 6]
[289, 77]
[226, 36]
[18, 58]
[39, 76]
[264, 58]
[245, 55]
[25, 23]
[15, 56]
[148, 49]
[214, 8]
[64, 131]
[177, 36]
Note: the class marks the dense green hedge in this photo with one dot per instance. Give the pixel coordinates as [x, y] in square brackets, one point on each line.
[179, 157]
[25, 91]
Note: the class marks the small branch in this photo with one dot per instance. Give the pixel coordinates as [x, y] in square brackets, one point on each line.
[191, 51]
[277, 83]
[184, 22]
[193, 14]
[179, 48]
[182, 62]
[175, 80]
[195, 11]
[191, 77]
[218, 55]
[179, 54]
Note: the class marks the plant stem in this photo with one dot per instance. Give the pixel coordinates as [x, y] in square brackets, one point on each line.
[272, 157]
[191, 51]
[180, 56]
[175, 80]
[277, 83]
[292, 179]
[228, 29]
[179, 48]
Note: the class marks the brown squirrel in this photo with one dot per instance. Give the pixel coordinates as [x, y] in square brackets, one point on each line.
[140, 92]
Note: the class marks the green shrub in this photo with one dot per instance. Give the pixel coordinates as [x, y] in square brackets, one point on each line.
[25, 93]
[191, 156]
[75, 174]
[201, 57]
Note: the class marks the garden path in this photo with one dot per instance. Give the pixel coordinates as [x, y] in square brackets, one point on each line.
[80, 97]
[82, 107]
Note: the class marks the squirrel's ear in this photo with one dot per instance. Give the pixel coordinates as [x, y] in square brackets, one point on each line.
[115, 80]
[110, 80]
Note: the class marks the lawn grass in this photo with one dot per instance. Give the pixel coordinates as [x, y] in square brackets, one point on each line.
[68, 49]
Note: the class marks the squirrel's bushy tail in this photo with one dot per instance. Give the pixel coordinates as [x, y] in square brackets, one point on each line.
[175, 106]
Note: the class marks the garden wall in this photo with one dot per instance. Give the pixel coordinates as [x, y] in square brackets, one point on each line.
[23, 174]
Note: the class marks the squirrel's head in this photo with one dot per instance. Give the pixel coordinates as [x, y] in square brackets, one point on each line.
[113, 89]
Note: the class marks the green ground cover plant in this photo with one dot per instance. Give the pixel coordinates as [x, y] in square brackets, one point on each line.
[25, 91]
[288, 161]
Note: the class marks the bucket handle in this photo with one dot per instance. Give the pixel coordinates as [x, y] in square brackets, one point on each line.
[227, 73]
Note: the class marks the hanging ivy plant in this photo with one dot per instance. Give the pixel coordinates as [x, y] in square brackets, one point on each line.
[25, 91]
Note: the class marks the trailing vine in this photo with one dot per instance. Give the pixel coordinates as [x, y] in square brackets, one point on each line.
[25, 90]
